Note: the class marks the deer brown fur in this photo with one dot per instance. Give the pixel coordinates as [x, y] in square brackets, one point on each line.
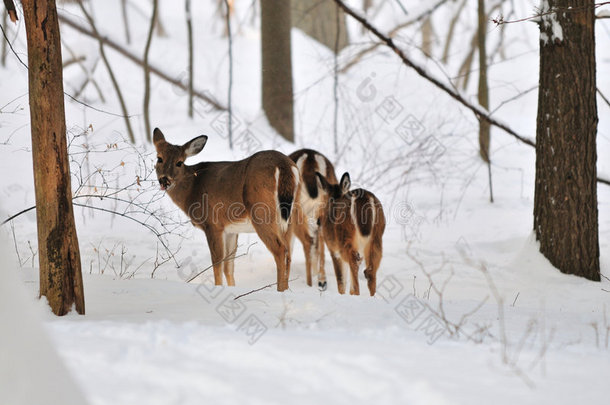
[256, 194]
[307, 226]
[353, 224]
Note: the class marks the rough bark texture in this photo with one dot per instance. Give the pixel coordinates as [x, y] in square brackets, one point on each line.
[317, 19]
[565, 205]
[59, 257]
[277, 66]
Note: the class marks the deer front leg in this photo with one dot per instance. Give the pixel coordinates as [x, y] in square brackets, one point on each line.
[216, 245]
[230, 244]
[322, 284]
[338, 265]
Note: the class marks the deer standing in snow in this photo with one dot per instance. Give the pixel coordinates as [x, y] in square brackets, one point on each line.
[307, 226]
[352, 224]
[224, 199]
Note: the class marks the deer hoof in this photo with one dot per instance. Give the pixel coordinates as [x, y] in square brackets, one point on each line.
[322, 285]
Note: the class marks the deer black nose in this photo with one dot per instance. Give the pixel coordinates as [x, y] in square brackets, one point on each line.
[164, 182]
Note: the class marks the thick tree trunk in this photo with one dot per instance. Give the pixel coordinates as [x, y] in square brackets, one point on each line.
[277, 66]
[565, 204]
[318, 19]
[59, 257]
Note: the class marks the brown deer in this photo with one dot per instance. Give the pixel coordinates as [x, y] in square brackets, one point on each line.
[227, 198]
[307, 227]
[353, 224]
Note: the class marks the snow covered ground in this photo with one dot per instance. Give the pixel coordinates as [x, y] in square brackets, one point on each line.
[528, 334]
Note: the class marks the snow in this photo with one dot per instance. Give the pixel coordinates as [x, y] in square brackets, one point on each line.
[529, 333]
[549, 19]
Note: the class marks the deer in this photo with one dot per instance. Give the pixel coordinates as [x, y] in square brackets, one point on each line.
[224, 199]
[352, 225]
[311, 202]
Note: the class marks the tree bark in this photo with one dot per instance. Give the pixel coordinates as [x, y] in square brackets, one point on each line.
[277, 66]
[59, 257]
[317, 19]
[565, 202]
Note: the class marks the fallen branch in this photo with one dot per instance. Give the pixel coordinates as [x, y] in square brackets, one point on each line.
[260, 289]
[135, 59]
[479, 112]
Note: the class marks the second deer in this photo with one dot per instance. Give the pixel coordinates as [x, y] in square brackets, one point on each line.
[352, 224]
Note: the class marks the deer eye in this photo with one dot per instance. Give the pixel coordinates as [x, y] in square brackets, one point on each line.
[159, 160]
[179, 164]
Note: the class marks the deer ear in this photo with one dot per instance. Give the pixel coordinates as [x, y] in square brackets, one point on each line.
[321, 182]
[158, 136]
[194, 146]
[346, 183]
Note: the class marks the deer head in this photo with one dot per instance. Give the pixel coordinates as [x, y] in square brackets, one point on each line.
[334, 191]
[170, 165]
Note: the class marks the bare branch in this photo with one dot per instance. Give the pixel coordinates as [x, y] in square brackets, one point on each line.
[480, 113]
[135, 59]
[115, 83]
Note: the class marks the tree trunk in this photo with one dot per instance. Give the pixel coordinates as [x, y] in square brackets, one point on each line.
[59, 257]
[317, 19]
[483, 93]
[565, 202]
[277, 66]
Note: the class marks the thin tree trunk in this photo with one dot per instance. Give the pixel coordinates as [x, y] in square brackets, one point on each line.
[228, 7]
[146, 111]
[483, 93]
[4, 47]
[59, 257]
[189, 34]
[450, 31]
[427, 36]
[113, 79]
[125, 21]
[277, 66]
[205, 96]
[565, 201]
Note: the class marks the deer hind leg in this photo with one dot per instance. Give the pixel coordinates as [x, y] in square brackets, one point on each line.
[372, 254]
[339, 273]
[319, 241]
[216, 245]
[279, 248]
[354, 259]
[230, 244]
[308, 245]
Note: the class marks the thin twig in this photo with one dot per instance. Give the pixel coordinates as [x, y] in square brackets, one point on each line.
[261, 288]
[230, 88]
